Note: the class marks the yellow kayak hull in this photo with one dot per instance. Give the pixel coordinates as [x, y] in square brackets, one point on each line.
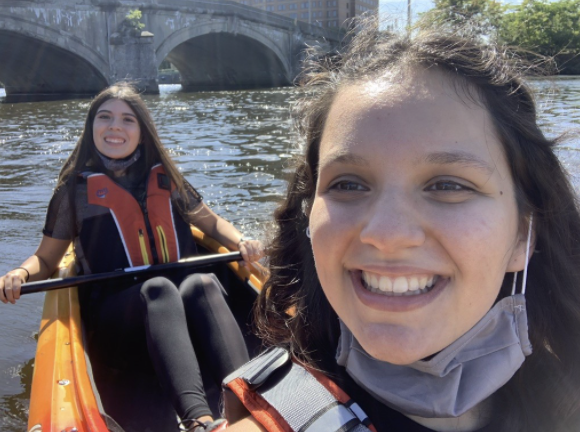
[62, 397]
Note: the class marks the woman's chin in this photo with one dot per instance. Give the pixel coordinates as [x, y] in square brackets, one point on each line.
[397, 353]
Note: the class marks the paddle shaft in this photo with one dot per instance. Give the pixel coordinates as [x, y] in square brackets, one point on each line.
[136, 274]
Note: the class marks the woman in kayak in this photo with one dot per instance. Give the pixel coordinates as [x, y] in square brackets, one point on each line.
[123, 203]
[427, 254]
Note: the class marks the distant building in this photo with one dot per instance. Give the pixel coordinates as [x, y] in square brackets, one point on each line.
[324, 13]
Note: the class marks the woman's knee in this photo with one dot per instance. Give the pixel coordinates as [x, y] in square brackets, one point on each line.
[156, 288]
[200, 285]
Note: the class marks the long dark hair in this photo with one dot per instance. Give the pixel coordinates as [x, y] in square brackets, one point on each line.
[292, 310]
[152, 151]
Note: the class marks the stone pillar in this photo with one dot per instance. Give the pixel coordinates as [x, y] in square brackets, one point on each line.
[132, 59]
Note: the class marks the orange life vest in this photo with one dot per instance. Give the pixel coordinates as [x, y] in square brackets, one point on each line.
[150, 233]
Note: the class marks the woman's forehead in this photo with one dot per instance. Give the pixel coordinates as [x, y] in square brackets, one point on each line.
[394, 87]
[411, 119]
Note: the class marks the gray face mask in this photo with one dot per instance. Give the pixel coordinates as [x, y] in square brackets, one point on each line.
[456, 379]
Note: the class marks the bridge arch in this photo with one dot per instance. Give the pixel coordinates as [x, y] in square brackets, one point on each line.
[214, 50]
[39, 60]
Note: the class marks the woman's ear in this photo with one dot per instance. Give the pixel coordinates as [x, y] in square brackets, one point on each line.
[527, 241]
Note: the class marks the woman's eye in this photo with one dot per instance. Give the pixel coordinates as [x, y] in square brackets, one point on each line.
[348, 186]
[103, 117]
[448, 186]
[129, 120]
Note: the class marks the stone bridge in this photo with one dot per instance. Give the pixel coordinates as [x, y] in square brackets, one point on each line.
[80, 46]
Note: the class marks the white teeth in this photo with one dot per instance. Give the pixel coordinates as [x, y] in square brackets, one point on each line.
[385, 284]
[374, 281]
[412, 285]
[400, 285]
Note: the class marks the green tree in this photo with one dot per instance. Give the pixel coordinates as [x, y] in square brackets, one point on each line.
[548, 28]
[474, 17]
[134, 19]
[132, 25]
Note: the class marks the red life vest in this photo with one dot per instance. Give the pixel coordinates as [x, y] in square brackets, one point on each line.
[152, 234]
[284, 396]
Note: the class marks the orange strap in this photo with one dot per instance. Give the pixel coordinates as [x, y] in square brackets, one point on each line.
[261, 410]
[160, 212]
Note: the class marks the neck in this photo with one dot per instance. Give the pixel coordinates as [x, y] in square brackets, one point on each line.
[474, 419]
[119, 173]
[119, 166]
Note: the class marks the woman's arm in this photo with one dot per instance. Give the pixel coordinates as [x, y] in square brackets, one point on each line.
[225, 233]
[37, 267]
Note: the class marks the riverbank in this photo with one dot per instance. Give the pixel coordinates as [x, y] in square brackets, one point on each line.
[568, 64]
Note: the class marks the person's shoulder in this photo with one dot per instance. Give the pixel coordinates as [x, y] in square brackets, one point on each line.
[188, 198]
[62, 190]
[192, 193]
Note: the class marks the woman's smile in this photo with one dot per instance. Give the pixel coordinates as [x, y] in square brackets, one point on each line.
[114, 140]
[398, 286]
[399, 294]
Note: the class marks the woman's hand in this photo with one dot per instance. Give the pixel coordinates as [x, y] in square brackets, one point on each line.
[225, 233]
[10, 285]
[252, 250]
[37, 267]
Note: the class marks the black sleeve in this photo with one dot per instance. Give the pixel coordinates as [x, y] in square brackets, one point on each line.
[187, 205]
[59, 218]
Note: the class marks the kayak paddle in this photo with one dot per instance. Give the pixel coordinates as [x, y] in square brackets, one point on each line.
[136, 274]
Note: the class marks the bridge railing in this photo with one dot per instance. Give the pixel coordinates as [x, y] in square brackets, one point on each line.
[227, 7]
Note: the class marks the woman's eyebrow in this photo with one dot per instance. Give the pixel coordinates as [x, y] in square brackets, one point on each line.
[459, 158]
[342, 157]
[111, 112]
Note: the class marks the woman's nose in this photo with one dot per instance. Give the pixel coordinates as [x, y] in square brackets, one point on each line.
[116, 124]
[393, 222]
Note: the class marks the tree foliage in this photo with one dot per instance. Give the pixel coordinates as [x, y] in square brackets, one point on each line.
[548, 28]
[475, 17]
[132, 24]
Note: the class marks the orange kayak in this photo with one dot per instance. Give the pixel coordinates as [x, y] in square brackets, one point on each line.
[64, 396]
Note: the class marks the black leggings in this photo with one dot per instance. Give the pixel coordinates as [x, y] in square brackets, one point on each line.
[166, 323]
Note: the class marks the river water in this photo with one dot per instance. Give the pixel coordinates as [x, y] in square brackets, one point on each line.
[234, 147]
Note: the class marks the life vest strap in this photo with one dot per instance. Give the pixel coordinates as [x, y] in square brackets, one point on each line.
[303, 403]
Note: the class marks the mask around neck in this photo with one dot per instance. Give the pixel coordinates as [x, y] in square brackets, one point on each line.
[457, 378]
[120, 164]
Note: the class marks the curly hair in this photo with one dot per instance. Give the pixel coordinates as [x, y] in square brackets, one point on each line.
[544, 395]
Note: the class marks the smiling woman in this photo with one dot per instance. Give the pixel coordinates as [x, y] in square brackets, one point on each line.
[429, 199]
[424, 187]
[121, 201]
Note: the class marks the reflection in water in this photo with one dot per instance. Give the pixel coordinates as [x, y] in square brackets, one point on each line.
[234, 147]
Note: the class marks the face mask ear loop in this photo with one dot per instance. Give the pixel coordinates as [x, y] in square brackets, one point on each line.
[525, 279]
[514, 283]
